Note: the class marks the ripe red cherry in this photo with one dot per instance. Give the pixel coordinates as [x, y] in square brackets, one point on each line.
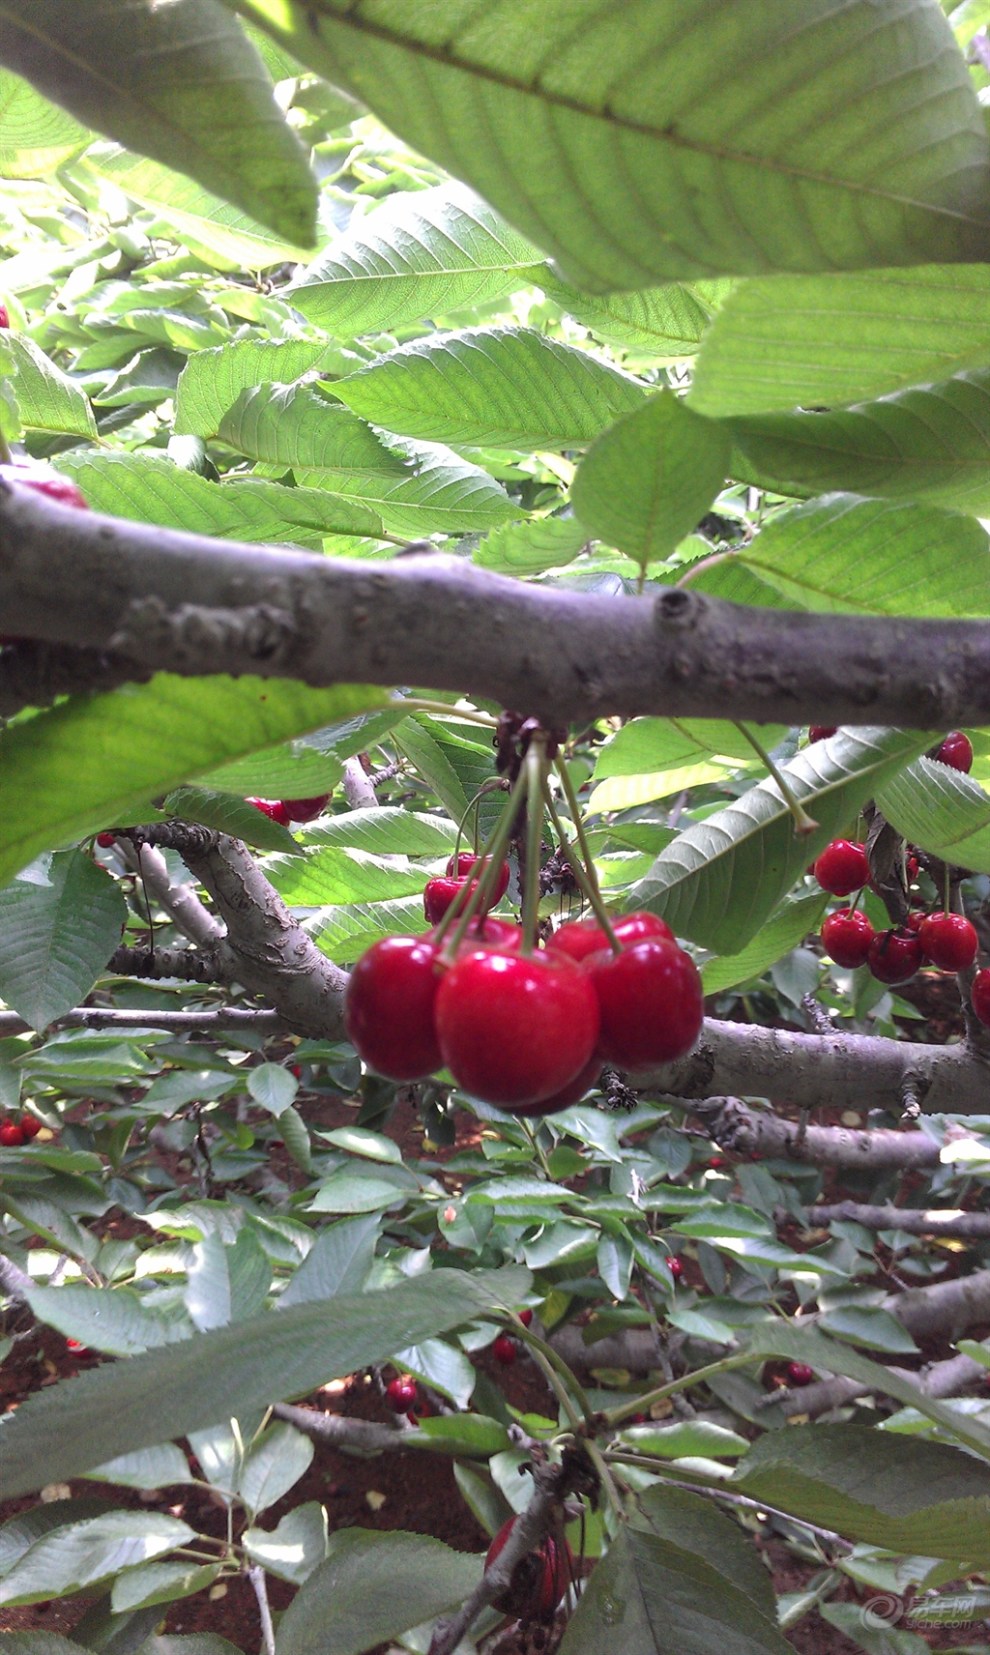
[651, 1003]
[106, 841]
[573, 1092]
[894, 956]
[949, 941]
[821, 732]
[842, 867]
[11, 1134]
[274, 808]
[585, 936]
[675, 1266]
[441, 894]
[799, 1373]
[847, 935]
[956, 751]
[30, 1126]
[401, 1393]
[487, 931]
[389, 1007]
[980, 997]
[526, 1317]
[539, 1581]
[44, 479]
[304, 810]
[468, 863]
[504, 1350]
[515, 1028]
[4, 317]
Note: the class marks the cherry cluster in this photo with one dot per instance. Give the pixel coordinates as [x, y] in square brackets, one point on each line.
[539, 1581]
[287, 811]
[525, 1029]
[14, 1133]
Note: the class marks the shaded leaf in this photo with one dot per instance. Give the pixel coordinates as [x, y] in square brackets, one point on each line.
[56, 937]
[942, 810]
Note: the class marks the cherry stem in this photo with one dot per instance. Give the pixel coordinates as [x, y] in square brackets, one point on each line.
[594, 889]
[642, 1404]
[803, 823]
[589, 889]
[493, 784]
[494, 851]
[444, 709]
[534, 770]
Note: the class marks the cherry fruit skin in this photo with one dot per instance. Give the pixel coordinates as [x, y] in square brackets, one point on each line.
[4, 317]
[401, 1393]
[30, 1126]
[441, 894]
[304, 810]
[273, 808]
[895, 956]
[11, 1135]
[956, 751]
[799, 1373]
[585, 936]
[539, 1581]
[847, 935]
[949, 941]
[487, 931]
[526, 1317]
[651, 1003]
[980, 997]
[821, 732]
[573, 1092]
[675, 1266]
[106, 840]
[842, 867]
[389, 1007]
[44, 479]
[504, 1350]
[515, 1028]
[467, 863]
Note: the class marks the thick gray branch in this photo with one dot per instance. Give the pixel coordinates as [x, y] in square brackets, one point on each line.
[946, 1378]
[176, 602]
[929, 1222]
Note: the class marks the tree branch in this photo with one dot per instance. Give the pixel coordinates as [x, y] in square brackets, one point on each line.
[913, 1221]
[947, 1378]
[169, 601]
[179, 901]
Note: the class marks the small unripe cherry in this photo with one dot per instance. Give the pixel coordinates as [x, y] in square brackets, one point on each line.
[504, 1350]
[956, 751]
[949, 941]
[821, 732]
[979, 996]
[847, 935]
[799, 1373]
[842, 867]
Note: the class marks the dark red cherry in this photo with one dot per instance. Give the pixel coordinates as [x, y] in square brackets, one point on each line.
[651, 1003]
[842, 867]
[894, 956]
[949, 941]
[847, 935]
[956, 751]
[389, 1007]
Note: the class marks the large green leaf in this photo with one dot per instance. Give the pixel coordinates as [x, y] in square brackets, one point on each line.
[905, 1495]
[179, 82]
[56, 936]
[532, 548]
[95, 761]
[343, 933]
[874, 557]
[651, 758]
[228, 1372]
[35, 135]
[721, 879]
[340, 876]
[93, 1550]
[782, 932]
[802, 341]
[421, 253]
[372, 1587]
[658, 324]
[47, 399]
[941, 810]
[929, 443]
[511, 387]
[628, 151]
[648, 480]
[212, 380]
[151, 490]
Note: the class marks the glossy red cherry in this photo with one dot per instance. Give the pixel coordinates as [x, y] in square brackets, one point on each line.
[894, 956]
[4, 317]
[847, 935]
[488, 931]
[539, 1581]
[441, 894]
[651, 1003]
[468, 863]
[389, 1007]
[585, 936]
[504, 1350]
[515, 1028]
[44, 479]
[979, 996]
[274, 808]
[106, 841]
[304, 810]
[401, 1393]
[11, 1135]
[526, 1317]
[675, 1266]
[821, 732]
[30, 1126]
[573, 1092]
[956, 751]
[949, 941]
[799, 1373]
[842, 867]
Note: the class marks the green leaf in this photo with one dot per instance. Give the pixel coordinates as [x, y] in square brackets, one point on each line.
[532, 548]
[90, 1551]
[147, 1468]
[35, 136]
[342, 934]
[648, 480]
[906, 1495]
[339, 1261]
[721, 879]
[649, 166]
[273, 1087]
[387, 830]
[160, 1583]
[293, 1549]
[229, 1371]
[372, 1587]
[785, 930]
[347, 1192]
[929, 443]
[511, 387]
[47, 399]
[234, 816]
[38, 1643]
[212, 380]
[114, 1320]
[845, 555]
[273, 1464]
[421, 253]
[332, 876]
[97, 760]
[686, 1437]
[659, 324]
[56, 937]
[868, 1325]
[182, 84]
[942, 810]
[615, 1261]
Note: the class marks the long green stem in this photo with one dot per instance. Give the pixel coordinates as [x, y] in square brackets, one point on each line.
[643, 1404]
[803, 823]
[533, 765]
[582, 838]
[459, 915]
[608, 1482]
[548, 1359]
[589, 885]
